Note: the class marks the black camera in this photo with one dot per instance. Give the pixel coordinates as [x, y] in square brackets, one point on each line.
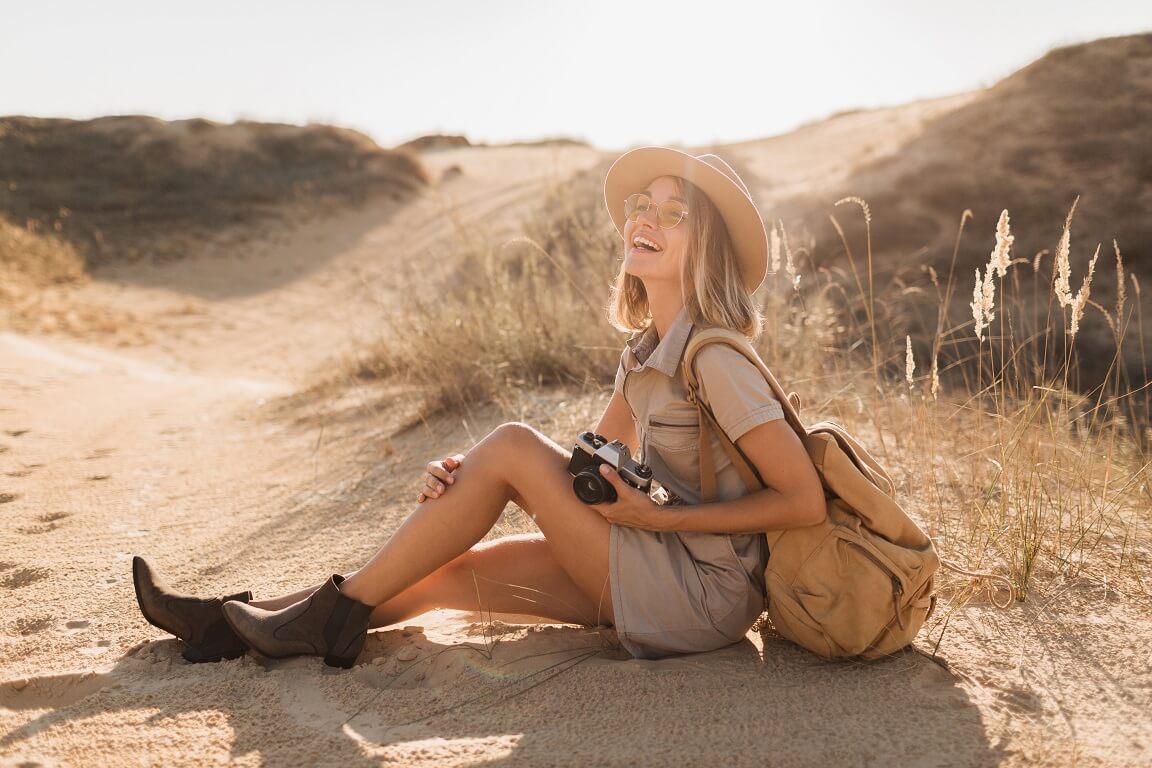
[590, 452]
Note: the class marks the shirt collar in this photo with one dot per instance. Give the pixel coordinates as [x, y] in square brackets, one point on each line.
[664, 355]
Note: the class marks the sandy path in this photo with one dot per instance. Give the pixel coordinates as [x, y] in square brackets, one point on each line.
[193, 451]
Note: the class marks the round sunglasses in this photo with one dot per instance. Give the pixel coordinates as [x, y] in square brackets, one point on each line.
[668, 213]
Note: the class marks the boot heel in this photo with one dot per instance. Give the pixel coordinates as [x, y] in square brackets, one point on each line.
[344, 662]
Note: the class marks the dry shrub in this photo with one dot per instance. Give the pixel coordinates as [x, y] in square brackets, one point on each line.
[526, 312]
[35, 259]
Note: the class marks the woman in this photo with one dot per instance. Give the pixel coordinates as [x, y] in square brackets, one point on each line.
[671, 574]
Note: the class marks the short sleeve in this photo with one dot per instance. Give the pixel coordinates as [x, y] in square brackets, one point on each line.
[736, 390]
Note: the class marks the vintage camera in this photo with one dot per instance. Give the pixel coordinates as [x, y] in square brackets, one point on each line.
[590, 452]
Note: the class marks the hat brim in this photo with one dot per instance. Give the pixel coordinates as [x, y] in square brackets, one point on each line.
[634, 171]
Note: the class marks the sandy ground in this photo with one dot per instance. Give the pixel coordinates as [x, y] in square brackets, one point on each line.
[198, 450]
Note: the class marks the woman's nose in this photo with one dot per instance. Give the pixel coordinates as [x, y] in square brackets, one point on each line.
[650, 216]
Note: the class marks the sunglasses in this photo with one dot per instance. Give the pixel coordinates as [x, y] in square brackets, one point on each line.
[668, 213]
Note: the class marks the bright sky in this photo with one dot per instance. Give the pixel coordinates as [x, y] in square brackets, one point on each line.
[612, 72]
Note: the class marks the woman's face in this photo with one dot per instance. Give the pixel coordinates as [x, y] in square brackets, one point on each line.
[662, 265]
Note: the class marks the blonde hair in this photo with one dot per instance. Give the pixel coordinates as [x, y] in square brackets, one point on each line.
[710, 278]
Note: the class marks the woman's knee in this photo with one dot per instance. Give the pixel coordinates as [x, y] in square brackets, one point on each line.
[516, 435]
[521, 441]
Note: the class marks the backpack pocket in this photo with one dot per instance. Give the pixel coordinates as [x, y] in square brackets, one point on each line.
[847, 590]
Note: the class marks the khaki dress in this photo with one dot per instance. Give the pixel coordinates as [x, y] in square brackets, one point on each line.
[685, 591]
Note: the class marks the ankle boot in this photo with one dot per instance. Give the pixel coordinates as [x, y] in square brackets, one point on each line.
[327, 623]
[199, 622]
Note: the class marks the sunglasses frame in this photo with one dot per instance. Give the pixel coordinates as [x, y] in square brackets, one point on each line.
[683, 215]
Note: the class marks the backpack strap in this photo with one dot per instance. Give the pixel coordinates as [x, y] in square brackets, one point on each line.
[790, 403]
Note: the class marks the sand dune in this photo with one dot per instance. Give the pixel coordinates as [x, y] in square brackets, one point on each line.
[182, 433]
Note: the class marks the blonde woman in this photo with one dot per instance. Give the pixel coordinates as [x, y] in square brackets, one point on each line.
[671, 574]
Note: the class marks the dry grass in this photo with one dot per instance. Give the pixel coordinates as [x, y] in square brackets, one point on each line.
[1023, 144]
[527, 312]
[1005, 463]
[38, 271]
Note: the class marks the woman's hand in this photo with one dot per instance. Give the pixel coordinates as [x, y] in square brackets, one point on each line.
[632, 508]
[439, 476]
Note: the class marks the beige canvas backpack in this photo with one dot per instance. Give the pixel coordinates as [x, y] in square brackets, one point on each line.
[860, 584]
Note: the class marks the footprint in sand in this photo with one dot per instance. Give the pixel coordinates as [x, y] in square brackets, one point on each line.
[98, 477]
[5, 498]
[16, 432]
[102, 646]
[27, 470]
[99, 453]
[51, 691]
[108, 581]
[76, 625]
[15, 579]
[47, 522]
[31, 625]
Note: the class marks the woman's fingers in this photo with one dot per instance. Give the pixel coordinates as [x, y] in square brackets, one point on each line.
[438, 477]
[441, 472]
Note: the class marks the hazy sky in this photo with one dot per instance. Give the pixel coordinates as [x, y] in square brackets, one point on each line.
[614, 73]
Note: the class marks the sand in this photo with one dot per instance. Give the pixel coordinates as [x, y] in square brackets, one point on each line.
[196, 449]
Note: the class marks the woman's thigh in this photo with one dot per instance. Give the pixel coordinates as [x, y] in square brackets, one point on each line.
[578, 535]
[512, 574]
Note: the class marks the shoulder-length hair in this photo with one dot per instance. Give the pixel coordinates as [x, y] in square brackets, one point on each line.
[714, 291]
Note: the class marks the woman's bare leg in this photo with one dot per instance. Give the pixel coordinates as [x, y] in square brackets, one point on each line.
[513, 574]
[514, 462]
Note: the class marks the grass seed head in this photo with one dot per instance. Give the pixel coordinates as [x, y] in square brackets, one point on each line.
[773, 250]
[1121, 294]
[1000, 258]
[978, 306]
[1081, 299]
[1061, 283]
[909, 361]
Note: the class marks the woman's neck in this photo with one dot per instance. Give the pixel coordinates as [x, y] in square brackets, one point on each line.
[664, 309]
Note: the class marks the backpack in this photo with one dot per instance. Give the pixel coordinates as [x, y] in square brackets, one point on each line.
[861, 583]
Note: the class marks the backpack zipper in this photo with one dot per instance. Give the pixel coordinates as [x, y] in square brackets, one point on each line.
[897, 587]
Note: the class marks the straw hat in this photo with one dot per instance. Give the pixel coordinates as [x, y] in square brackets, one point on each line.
[634, 171]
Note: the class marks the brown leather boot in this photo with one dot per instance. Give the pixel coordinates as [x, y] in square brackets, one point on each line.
[327, 623]
[199, 622]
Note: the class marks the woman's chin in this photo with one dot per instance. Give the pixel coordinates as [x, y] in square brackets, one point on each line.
[645, 264]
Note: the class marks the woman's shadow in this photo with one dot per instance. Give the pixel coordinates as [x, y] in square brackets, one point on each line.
[530, 694]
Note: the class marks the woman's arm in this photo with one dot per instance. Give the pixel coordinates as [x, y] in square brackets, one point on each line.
[616, 423]
[793, 498]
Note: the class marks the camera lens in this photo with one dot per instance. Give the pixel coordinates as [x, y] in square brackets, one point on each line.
[591, 488]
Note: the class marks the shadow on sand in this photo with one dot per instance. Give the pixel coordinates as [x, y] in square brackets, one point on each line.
[513, 694]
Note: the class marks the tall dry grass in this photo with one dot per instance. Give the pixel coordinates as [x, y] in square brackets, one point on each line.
[995, 451]
[497, 317]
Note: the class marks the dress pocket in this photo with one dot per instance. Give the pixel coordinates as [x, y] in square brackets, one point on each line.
[673, 436]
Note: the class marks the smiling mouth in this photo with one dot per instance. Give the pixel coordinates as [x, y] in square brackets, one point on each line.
[642, 243]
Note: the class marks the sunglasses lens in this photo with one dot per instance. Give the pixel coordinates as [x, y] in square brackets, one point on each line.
[635, 205]
[670, 212]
